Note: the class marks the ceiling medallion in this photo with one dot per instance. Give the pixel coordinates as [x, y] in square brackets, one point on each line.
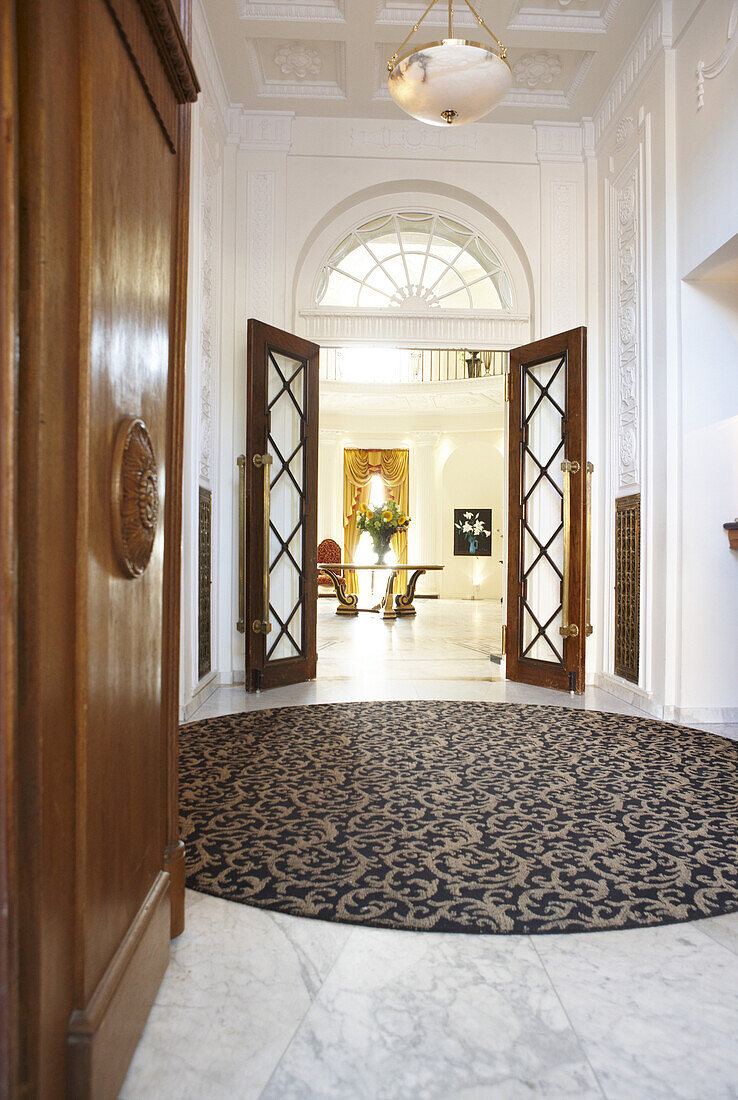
[449, 82]
[135, 496]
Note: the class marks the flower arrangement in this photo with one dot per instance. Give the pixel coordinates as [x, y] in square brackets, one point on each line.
[381, 523]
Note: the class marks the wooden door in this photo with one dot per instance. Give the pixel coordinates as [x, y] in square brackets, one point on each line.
[280, 469]
[547, 582]
[103, 140]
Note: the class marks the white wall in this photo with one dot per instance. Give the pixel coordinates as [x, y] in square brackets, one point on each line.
[472, 476]
[666, 161]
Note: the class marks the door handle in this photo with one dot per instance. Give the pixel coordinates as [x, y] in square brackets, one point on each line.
[264, 462]
[241, 463]
[567, 629]
[590, 471]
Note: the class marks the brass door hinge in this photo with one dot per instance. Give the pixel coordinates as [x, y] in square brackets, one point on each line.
[507, 385]
[504, 640]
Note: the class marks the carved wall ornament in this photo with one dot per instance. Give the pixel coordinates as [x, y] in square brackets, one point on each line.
[298, 59]
[625, 129]
[536, 70]
[709, 72]
[135, 496]
[626, 325]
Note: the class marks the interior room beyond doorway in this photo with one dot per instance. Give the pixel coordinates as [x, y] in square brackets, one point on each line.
[446, 409]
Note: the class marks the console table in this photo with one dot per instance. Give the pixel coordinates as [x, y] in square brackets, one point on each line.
[389, 608]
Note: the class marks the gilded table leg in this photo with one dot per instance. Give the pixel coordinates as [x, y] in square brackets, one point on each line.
[404, 602]
[347, 601]
[388, 610]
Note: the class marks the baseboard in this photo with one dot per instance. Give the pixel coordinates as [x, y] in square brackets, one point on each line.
[629, 693]
[685, 716]
[203, 691]
[102, 1036]
[174, 865]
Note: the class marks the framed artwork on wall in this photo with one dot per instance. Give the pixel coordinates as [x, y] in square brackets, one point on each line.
[472, 532]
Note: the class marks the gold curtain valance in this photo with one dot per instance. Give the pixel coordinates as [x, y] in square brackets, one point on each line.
[360, 465]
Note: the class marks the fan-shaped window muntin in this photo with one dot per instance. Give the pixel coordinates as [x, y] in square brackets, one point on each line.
[414, 259]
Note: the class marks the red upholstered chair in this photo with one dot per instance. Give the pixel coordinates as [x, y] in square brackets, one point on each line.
[329, 552]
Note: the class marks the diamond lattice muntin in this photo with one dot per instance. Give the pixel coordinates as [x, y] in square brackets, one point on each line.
[286, 396]
[544, 437]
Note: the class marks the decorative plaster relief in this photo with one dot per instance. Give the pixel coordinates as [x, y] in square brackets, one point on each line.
[537, 70]
[624, 132]
[267, 130]
[625, 336]
[414, 139]
[493, 332]
[207, 314]
[563, 15]
[208, 65]
[262, 187]
[558, 141]
[298, 59]
[402, 13]
[319, 11]
[709, 72]
[642, 53]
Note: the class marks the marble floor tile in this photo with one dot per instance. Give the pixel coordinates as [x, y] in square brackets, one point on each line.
[239, 982]
[723, 930]
[261, 1004]
[656, 1009]
[406, 1016]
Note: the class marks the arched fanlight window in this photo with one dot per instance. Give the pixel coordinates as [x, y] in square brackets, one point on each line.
[414, 260]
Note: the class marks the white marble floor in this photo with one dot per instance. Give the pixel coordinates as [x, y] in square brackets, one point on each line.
[258, 1004]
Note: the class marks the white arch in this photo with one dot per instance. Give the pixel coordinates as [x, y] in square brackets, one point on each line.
[468, 328]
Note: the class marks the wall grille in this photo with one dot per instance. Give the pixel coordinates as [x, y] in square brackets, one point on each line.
[628, 587]
[204, 571]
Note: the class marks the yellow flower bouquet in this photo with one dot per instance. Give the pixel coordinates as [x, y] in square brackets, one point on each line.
[382, 523]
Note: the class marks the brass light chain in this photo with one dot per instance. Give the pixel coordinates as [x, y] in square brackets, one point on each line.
[502, 49]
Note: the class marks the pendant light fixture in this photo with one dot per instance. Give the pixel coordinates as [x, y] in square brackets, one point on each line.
[450, 82]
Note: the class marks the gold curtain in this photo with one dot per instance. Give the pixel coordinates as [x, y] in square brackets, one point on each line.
[359, 467]
[396, 478]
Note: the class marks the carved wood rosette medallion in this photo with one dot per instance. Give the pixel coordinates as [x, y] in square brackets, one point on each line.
[135, 496]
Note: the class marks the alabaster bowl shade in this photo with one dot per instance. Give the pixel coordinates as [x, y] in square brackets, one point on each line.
[452, 75]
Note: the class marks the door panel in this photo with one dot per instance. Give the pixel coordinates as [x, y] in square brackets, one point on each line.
[547, 549]
[103, 142]
[281, 470]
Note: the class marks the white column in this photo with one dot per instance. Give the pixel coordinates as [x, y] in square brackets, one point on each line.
[424, 542]
[330, 485]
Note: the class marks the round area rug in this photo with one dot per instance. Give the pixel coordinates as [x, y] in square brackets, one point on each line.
[461, 817]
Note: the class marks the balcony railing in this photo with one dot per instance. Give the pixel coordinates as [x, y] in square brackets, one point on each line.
[402, 365]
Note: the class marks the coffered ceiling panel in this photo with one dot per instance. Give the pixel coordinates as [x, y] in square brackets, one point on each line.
[328, 57]
[310, 69]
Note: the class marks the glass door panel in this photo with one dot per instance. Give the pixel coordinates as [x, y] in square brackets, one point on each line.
[280, 535]
[546, 561]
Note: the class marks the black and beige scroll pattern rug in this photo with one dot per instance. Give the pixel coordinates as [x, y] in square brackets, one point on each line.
[462, 817]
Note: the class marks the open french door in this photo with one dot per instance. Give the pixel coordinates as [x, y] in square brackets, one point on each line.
[278, 509]
[548, 513]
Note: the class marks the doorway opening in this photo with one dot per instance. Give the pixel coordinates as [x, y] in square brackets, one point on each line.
[445, 409]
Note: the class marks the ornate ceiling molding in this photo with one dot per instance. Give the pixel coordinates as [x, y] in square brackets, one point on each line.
[542, 96]
[647, 46]
[558, 141]
[214, 85]
[709, 72]
[319, 11]
[260, 130]
[567, 17]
